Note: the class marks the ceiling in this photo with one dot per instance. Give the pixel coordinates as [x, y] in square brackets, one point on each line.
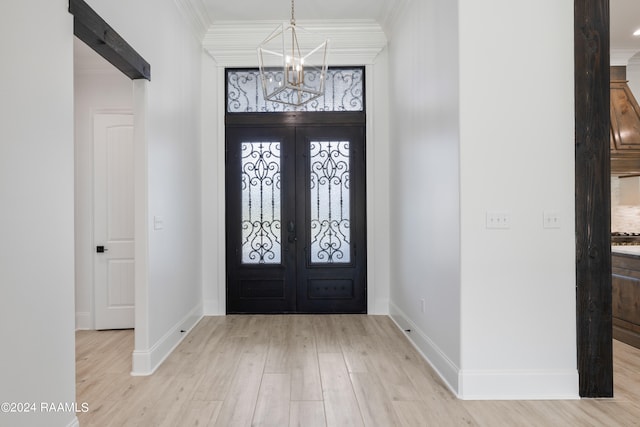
[625, 19]
[225, 10]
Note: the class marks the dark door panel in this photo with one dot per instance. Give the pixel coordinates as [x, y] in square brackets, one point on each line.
[296, 226]
[260, 183]
[330, 172]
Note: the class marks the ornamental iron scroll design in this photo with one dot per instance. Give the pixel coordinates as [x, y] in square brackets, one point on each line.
[330, 207]
[261, 217]
[344, 91]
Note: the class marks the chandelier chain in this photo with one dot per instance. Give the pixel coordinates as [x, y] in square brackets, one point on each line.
[293, 19]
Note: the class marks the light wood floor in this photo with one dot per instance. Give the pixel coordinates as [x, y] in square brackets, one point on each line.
[310, 371]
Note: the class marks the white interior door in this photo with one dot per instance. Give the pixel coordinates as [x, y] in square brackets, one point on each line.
[113, 221]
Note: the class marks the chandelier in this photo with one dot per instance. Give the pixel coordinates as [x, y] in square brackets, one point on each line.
[288, 75]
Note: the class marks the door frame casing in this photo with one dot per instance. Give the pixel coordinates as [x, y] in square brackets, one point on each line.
[361, 44]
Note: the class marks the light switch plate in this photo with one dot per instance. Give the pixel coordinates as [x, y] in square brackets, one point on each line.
[499, 220]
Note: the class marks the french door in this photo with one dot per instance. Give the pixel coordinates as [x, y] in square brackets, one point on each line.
[295, 219]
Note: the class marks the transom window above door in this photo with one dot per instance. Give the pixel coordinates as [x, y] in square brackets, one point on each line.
[344, 91]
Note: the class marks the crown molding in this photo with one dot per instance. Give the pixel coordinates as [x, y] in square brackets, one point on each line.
[196, 15]
[622, 56]
[351, 42]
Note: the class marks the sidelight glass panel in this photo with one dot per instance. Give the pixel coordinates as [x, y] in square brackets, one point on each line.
[330, 210]
[261, 218]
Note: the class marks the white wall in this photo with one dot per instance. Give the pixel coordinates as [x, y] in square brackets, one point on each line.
[473, 134]
[98, 87]
[425, 218]
[633, 75]
[517, 156]
[36, 217]
[173, 301]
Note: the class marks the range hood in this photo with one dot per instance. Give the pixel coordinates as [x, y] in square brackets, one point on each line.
[625, 125]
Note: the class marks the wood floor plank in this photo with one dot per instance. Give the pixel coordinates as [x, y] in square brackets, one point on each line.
[305, 376]
[340, 404]
[168, 407]
[326, 335]
[397, 383]
[411, 413]
[274, 397]
[239, 404]
[141, 400]
[221, 370]
[307, 414]
[376, 409]
[278, 356]
[357, 351]
[195, 413]
[425, 380]
[302, 325]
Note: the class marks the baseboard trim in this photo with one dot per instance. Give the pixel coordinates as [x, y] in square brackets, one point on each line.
[211, 307]
[145, 362]
[83, 321]
[489, 384]
[518, 385]
[444, 367]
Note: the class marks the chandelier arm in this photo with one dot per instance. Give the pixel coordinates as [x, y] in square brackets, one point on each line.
[296, 85]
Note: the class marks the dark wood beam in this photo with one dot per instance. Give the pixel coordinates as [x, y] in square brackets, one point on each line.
[89, 27]
[593, 205]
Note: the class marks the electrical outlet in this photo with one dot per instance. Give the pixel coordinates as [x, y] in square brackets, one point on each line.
[500, 220]
[550, 219]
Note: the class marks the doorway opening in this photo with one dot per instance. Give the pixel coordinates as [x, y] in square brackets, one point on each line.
[104, 193]
[295, 201]
[92, 30]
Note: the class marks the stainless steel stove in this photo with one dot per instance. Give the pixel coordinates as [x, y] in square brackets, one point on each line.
[625, 239]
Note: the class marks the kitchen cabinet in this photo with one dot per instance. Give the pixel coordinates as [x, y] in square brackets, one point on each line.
[625, 124]
[626, 294]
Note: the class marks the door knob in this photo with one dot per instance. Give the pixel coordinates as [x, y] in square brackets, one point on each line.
[101, 249]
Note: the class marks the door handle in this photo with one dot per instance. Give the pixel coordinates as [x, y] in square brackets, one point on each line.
[291, 228]
[101, 249]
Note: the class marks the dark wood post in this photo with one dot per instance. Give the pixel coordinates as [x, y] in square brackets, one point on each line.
[593, 198]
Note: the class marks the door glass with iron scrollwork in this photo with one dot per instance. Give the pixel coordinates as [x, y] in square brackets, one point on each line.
[344, 92]
[330, 207]
[261, 220]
